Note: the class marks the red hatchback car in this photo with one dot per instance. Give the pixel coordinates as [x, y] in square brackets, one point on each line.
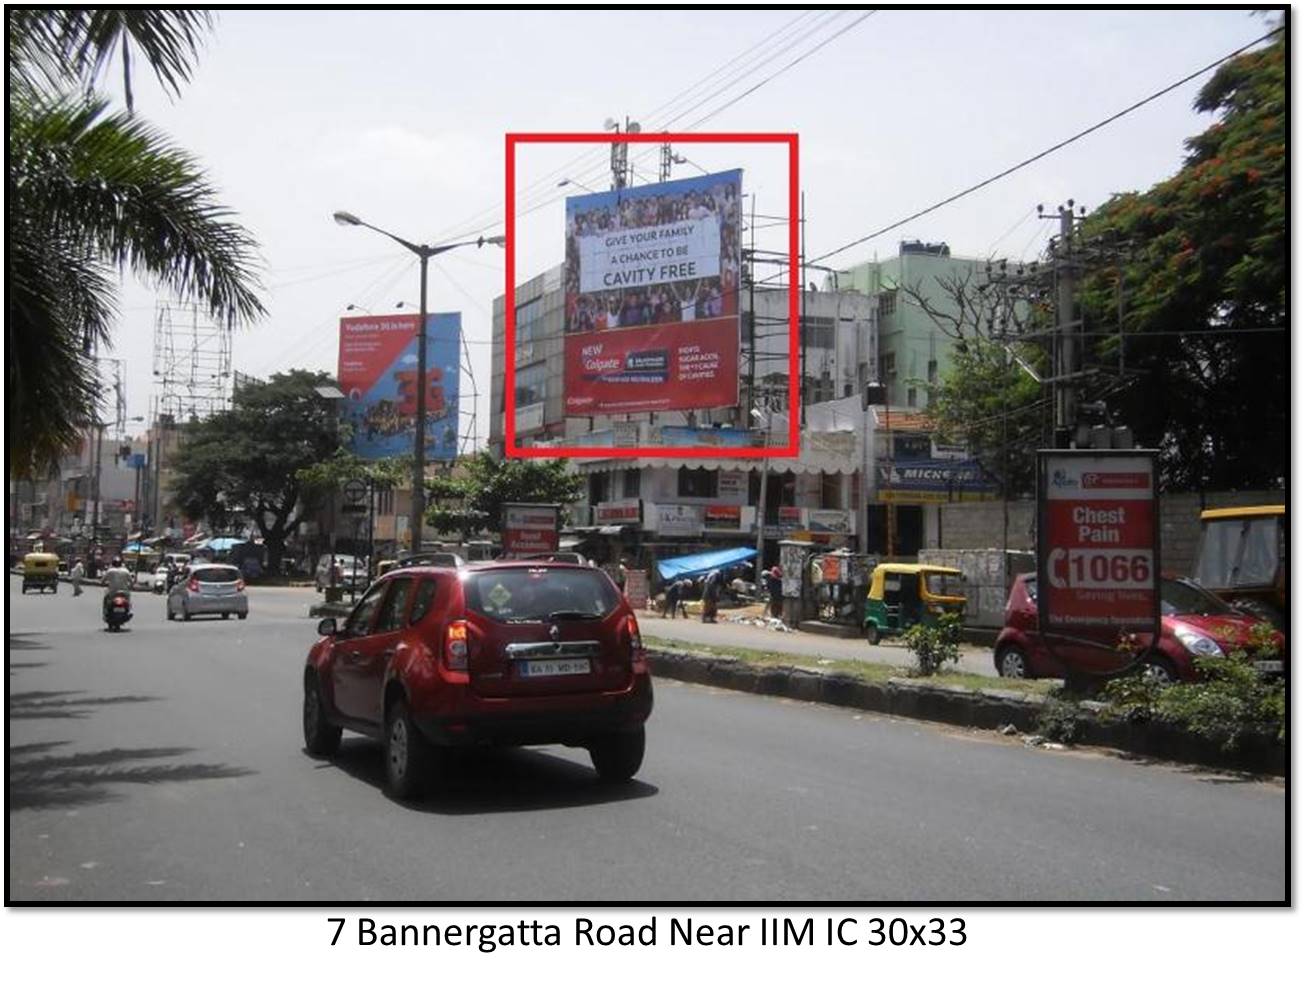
[1192, 622]
[498, 654]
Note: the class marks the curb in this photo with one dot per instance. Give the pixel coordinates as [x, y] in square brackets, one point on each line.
[983, 709]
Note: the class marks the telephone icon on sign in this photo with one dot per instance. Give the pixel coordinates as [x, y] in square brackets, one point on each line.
[1057, 555]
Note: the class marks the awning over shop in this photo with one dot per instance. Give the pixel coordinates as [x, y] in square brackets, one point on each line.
[682, 566]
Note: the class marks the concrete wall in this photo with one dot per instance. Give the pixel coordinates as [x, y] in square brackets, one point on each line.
[978, 524]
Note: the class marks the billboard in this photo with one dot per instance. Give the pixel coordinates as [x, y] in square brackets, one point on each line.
[378, 375]
[652, 277]
[1097, 541]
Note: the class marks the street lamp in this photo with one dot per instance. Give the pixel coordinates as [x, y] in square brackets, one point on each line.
[571, 180]
[424, 253]
[355, 306]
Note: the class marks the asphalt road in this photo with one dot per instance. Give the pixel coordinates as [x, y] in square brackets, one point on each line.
[164, 764]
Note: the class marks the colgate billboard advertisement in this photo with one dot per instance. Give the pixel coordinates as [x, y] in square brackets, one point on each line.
[652, 279]
[1097, 542]
[378, 375]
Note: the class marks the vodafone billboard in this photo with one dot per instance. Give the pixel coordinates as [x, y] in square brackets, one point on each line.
[1097, 541]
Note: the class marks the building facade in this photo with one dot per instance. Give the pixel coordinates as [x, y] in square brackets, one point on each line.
[914, 351]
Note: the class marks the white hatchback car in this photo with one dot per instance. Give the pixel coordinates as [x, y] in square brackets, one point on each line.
[209, 589]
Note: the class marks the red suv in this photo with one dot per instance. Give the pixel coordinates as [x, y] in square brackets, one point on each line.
[1192, 622]
[498, 654]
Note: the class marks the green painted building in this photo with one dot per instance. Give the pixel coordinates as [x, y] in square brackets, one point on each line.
[913, 350]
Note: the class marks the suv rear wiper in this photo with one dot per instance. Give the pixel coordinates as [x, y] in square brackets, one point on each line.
[573, 615]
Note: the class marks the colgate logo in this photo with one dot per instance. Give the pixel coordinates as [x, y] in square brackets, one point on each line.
[1115, 481]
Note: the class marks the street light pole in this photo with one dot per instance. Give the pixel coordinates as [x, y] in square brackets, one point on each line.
[424, 253]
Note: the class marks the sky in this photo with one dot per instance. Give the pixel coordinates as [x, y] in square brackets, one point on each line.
[400, 116]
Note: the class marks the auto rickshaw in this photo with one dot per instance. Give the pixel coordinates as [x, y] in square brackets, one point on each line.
[1243, 559]
[41, 571]
[903, 594]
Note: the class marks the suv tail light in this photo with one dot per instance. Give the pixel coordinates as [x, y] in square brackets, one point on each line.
[193, 585]
[637, 655]
[457, 646]
[239, 585]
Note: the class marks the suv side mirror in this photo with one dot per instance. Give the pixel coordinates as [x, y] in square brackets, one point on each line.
[326, 627]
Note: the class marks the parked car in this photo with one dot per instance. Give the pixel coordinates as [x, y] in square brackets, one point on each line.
[352, 574]
[498, 654]
[448, 560]
[213, 589]
[570, 558]
[1193, 622]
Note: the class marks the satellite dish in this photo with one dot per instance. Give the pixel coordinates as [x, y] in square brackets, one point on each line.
[633, 128]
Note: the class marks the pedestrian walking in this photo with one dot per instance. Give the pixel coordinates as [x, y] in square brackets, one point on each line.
[75, 575]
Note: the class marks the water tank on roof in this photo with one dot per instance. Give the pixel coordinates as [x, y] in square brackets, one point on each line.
[925, 248]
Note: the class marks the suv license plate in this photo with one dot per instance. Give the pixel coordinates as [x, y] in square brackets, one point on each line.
[554, 668]
[1271, 667]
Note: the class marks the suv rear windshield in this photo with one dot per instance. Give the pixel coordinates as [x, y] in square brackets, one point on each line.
[536, 594]
[218, 574]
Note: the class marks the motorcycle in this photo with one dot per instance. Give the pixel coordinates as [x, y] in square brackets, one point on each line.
[117, 611]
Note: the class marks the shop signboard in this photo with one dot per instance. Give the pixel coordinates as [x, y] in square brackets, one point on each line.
[731, 486]
[789, 517]
[724, 517]
[529, 528]
[679, 520]
[1097, 542]
[636, 588]
[835, 522]
[627, 512]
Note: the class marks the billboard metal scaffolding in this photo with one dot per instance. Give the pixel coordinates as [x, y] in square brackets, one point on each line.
[192, 362]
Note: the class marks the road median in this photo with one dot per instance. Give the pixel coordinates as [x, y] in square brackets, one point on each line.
[1013, 712]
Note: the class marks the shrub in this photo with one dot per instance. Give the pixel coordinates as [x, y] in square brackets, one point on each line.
[933, 645]
[1231, 699]
[1059, 719]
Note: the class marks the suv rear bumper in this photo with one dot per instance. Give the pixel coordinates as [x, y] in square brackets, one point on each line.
[569, 720]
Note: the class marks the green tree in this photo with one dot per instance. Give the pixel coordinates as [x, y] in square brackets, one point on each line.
[251, 458]
[90, 193]
[1204, 289]
[988, 399]
[474, 501]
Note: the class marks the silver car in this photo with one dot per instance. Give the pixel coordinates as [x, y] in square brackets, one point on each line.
[209, 589]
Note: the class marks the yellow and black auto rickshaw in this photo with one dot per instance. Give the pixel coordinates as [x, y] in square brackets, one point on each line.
[1243, 559]
[903, 594]
[41, 571]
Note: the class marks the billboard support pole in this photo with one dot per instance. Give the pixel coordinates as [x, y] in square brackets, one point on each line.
[419, 437]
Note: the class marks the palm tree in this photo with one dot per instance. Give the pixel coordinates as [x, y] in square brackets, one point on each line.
[91, 192]
[77, 44]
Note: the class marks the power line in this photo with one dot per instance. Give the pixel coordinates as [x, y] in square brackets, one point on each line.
[537, 186]
[1049, 150]
[547, 201]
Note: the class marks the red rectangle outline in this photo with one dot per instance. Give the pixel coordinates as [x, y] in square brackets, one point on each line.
[793, 448]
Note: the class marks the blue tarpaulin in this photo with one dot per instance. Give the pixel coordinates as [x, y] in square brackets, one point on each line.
[688, 566]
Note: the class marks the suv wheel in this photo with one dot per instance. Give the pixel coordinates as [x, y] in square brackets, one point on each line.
[1012, 663]
[617, 755]
[320, 738]
[407, 754]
